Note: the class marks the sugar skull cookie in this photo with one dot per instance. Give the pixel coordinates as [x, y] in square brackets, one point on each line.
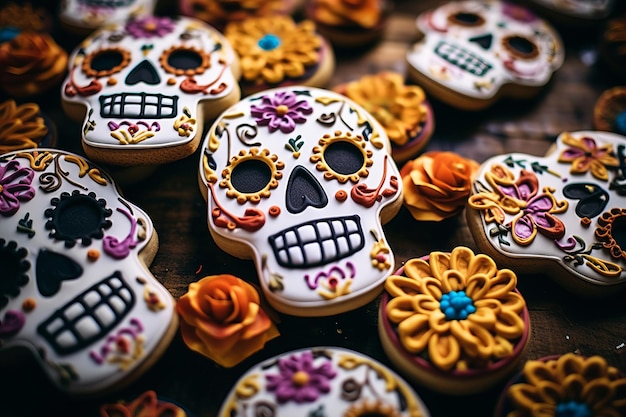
[76, 290]
[301, 180]
[562, 215]
[84, 16]
[144, 88]
[322, 381]
[472, 53]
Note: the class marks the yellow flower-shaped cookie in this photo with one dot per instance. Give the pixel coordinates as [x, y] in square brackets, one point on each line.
[457, 308]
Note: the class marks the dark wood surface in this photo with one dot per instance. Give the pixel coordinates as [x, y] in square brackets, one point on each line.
[561, 322]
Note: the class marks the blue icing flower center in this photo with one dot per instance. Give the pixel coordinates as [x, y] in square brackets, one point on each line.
[456, 305]
[573, 409]
[620, 122]
[269, 42]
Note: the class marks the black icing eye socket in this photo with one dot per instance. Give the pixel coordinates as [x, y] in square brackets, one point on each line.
[184, 61]
[467, 19]
[521, 47]
[252, 175]
[105, 62]
[344, 158]
[13, 272]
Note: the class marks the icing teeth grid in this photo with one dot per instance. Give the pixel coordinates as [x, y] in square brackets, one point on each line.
[463, 59]
[318, 242]
[89, 316]
[138, 105]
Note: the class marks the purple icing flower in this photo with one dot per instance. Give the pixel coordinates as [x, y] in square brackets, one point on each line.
[14, 187]
[299, 380]
[518, 13]
[150, 27]
[281, 111]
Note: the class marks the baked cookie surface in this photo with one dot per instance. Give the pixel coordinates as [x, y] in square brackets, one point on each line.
[301, 180]
[562, 215]
[77, 292]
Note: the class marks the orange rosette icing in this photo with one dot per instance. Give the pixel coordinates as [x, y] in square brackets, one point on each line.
[437, 185]
[146, 405]
[401, 109]
[30, 63]
[21, 127]
[364, 13]
[454, 321]
[220, 12]
[570, 384]
[222, 319]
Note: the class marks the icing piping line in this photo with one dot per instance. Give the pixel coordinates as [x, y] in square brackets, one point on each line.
[252, 221]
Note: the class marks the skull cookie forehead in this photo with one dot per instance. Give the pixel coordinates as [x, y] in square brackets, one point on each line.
[150, 83]
[74, 287]
[299, 179]
[483, 49]
[562, 215]
[92, 14]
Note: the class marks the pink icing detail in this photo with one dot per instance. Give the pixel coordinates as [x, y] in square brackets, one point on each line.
[334, 271]
[105, 350]
[14, 187]
[13, 322]
[267, 114]
[524, 188]
[117, 249]
[150, 27]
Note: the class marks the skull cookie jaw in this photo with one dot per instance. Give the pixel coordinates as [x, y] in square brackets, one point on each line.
[143, 102]
[76, 290]
[474, 53]
[300, 180]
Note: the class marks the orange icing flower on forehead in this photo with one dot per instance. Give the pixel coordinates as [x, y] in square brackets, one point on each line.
[398, 107]
[274, 48]
[223, 320]
[458, 308]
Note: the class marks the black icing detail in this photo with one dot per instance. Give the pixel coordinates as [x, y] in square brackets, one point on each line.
[184, 59]
[304, 190]
[106, 60]
[592, 198]
[250, 176]
[344, 157]
[138, 105]
[619, 182]
[318, 242]
[144, 72]
[77, 217]
[53, 268]
[90, 316]
[463, 59]
[13, 270]
[484, 41]
[467, 19]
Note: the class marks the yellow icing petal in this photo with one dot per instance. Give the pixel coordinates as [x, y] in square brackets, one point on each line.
[397, 285]
[598, 392]
[444, 351]
[414, 333]
[475, 340]
[438, 322]
[503, 283]
[536, 371]
[417, 268]
[573, 386]
[452, 280]
[509, 324]
[477, 286]
[503, 348]
[460, 260]
[439, 263]
[399, 309]
[524, 396]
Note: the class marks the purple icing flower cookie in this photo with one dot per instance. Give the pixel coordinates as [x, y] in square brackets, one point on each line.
[563, 215]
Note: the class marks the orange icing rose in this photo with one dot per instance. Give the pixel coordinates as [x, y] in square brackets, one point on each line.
[437, 185]
[30, 63]
[146, 405]
[364, 13]
[21, 127]
[223, 320]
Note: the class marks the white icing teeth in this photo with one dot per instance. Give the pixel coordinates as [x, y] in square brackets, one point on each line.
[463, 59]
[154, 106]
[89, 316]
[318, 242]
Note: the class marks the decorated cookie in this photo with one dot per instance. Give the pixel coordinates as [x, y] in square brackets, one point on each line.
[573, 11]
[84, 16]
[24, 126]
[473, 53]
[612, 47]
[402, 110]
[301, 180]
[276, 51]
[578, 386]
[454, 322]
[76, 291]
[220, 12]
[222, 319]
[349, 23]
[609, 112]
[437, 184]
[145, 405]
[22, 17]
[562, 215]
[144, 88]
[30, 64]
[322, 381]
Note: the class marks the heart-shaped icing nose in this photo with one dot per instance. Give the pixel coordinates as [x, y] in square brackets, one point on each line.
[54, 268]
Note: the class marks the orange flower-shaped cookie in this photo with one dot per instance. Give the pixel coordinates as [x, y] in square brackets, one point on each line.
[223, 320]
[437, 185]
[30, 63]
[21, 127]
[569, 385]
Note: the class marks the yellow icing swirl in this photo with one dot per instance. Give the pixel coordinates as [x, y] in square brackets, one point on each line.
[290, 48]
[486, 335]
[21, 127]
[586, 384]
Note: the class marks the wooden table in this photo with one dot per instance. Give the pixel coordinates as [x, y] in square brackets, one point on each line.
[561, 322]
